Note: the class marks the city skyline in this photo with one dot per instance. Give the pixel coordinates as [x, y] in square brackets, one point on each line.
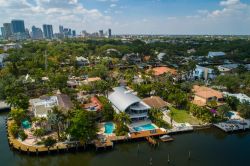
[225, 17]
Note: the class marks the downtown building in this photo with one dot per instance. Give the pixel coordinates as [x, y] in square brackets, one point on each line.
[18, 31]
[7, 30]
[48, 31]
[36, 33]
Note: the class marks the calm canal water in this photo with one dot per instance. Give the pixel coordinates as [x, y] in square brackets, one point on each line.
[208, 148]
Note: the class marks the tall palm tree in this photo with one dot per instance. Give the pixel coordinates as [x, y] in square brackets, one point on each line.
[171, 114]
[56, 118]
[122, 118]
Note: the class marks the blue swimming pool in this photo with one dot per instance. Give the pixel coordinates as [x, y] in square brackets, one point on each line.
[109, 127]
[145, 127]
[26, 124]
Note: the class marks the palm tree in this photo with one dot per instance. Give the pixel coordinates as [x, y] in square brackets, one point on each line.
[56, 118]
[171, 114]
[122, 118]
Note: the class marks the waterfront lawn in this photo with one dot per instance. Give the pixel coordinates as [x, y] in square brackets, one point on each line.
[182, 116]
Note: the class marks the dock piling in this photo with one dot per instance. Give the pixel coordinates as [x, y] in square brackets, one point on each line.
[151, 161]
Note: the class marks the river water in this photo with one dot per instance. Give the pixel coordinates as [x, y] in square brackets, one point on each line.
[209, 147]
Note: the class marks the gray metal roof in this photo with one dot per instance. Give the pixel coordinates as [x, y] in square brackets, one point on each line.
[122, 98]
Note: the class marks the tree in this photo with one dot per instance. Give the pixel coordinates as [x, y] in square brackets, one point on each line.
[212, 103]
[178, 98]
[99, 71]
[107, 109]
[18, 115]
[58, 80]
[38, 133]
[22, 135]
[241, 69]
[231, 82]
[121, 119]
[50, 141]
[19, 100]
[232, 101]
[14, 129]
[56, 118]
[83, 126]
[244, 110]
[171, 117]
[223, 110]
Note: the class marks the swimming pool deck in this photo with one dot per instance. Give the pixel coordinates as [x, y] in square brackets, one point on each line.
[18, 145]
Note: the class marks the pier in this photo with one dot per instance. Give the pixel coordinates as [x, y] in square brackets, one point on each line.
[233, 125]
[151, 140]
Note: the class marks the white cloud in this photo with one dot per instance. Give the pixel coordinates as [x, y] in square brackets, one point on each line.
[113, 5]
[70, 13]
[229, 2]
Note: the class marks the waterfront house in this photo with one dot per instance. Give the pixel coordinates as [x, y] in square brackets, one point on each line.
[215, 54]
[205, 73]
[42, 106]
[123, 100]
[155, 102]
[203, 95]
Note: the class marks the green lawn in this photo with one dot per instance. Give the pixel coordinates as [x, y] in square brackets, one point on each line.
[182, 116]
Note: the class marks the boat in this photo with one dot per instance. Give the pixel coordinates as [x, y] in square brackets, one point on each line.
[166, 138]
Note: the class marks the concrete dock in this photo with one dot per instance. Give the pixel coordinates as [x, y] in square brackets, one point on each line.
[234, 125]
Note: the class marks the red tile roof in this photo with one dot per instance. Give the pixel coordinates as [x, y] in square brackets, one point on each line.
[157, 71]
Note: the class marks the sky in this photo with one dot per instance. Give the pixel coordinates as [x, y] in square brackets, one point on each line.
[213, 17]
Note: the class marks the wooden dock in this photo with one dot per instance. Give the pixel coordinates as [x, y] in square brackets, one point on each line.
[149, 133]
[103, 144]
[151, 140]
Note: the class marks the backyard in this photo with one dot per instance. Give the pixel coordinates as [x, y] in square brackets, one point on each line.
[182, 116]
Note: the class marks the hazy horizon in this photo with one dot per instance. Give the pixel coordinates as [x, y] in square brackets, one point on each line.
[152, 17]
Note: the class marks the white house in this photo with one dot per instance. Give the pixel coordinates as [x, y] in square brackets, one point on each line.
[42, 106]
[160, 56]
[240, 96]
[201, 72]
[81, 61]
[215, 54]
[124, 100]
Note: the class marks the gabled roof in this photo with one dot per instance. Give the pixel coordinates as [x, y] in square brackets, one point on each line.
[155, 102]
[214, 54]
[122, 98]
[157, 71]
[206, 92]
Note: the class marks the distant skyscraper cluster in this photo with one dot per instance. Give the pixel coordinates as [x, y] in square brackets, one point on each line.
[101, 33]
[15, 30]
